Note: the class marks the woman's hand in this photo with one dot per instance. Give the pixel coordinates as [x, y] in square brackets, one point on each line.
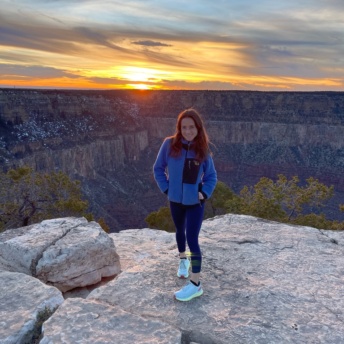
[200, 196]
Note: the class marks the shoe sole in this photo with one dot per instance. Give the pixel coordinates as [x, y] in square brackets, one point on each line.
[199, 293]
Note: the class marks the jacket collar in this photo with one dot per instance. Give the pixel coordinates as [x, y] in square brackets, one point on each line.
[187, 142]
[187, 145]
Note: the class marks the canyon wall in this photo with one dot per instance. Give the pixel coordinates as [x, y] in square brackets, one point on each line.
[109, 140]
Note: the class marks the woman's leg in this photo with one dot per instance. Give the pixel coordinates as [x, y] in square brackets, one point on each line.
[178, 213]
[194, 218]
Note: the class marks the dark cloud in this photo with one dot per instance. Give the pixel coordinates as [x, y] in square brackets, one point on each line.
[75, 42]
[149, 43]
[32, 36]
[21, 72]
[203, 85]
[96, 37]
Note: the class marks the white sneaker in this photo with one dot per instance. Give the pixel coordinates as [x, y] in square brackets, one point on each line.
[183, 270]
[189, 292]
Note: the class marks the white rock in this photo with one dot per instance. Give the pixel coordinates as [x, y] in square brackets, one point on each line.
[66, 253]
[21, 248]
[22, 299]
[89, 322]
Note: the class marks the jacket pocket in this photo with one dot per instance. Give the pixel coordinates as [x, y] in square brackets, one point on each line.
[191, 170]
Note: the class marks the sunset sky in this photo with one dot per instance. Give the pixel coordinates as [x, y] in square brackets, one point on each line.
[158, 44]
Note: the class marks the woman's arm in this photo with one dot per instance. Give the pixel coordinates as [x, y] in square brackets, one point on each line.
[209, 178]
[159, 168]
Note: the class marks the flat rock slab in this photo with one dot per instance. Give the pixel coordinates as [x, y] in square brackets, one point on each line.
[22, 299]
[264, 282]
[67, 252]
[90, 322]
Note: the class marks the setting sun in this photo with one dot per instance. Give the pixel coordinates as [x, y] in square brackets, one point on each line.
[138, 74]
[140, 86]
[140, 78]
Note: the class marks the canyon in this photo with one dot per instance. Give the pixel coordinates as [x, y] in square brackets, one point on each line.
[109, 140]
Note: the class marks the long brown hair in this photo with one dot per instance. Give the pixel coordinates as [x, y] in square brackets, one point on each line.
[201, 141]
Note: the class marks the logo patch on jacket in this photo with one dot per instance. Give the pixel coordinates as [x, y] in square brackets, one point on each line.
[190, 171]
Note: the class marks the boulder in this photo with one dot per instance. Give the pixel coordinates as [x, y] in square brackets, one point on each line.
[67, 252]
[24, 302]
[263, 281]
[89, 322]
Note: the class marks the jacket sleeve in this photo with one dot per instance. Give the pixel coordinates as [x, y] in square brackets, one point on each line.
[160, 165]
[209, 178]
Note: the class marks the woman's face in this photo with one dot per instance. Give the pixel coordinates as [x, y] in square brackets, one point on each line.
[188, 129]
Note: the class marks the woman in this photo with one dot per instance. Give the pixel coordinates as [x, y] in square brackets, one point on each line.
[184, 170]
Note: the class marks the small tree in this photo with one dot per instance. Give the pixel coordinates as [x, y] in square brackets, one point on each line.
[104, 225]
[161, 219]
[27, 197]
[222, 200]
[284, 200]
[262, 200]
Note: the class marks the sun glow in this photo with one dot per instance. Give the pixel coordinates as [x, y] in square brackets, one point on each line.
[140, 86]
[140, 78]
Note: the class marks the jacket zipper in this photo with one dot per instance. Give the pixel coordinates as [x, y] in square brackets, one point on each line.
[186, 155]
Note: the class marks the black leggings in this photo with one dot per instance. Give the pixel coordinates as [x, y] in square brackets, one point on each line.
[188, 222]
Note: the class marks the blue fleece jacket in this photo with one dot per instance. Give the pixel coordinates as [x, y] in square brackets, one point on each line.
[174, 178]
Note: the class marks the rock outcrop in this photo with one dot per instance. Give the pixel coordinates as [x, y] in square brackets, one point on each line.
[66, 253]
[263, 281]
[89, 322]
[24, 301]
